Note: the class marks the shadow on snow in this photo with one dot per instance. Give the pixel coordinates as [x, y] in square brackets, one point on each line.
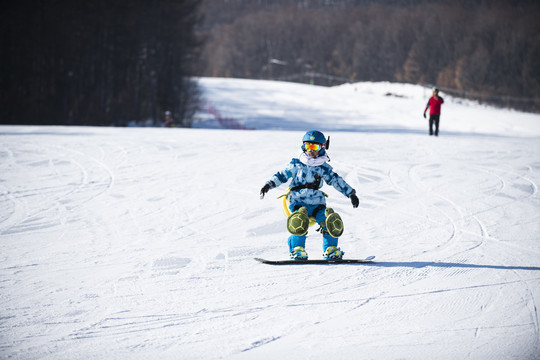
[422, 264]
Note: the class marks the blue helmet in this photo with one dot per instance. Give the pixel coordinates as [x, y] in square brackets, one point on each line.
[315, 137]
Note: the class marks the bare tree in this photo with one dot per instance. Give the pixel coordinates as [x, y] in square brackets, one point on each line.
[470, 46]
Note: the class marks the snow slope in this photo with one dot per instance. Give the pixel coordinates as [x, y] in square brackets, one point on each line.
[139, 242]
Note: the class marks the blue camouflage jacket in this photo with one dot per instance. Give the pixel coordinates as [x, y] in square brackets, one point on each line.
[307, 176]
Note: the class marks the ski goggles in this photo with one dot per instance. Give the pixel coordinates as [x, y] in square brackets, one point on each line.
[312, 146]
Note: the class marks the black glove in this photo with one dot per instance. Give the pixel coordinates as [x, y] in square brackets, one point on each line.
[354, 200]
[424, 114]
[265, 189]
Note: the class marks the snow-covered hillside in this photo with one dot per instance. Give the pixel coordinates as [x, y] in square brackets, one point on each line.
[139, 242]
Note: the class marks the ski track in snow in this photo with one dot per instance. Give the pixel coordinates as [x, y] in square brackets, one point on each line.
[139, 243]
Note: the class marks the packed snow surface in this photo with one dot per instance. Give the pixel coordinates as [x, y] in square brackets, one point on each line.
[139, 243]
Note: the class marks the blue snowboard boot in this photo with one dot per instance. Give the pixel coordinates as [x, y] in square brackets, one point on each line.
[299, 253]
[333, 253]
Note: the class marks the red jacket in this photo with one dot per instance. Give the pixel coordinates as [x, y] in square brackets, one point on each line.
[434, 105]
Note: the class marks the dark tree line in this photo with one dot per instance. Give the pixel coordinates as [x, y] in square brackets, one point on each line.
[98, 62]
[488, 49]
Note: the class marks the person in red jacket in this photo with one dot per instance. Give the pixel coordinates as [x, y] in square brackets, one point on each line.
[434, 105]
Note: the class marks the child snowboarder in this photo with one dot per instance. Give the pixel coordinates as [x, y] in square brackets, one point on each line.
[306, 200]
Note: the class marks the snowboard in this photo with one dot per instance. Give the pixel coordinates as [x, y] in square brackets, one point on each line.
[367, 260]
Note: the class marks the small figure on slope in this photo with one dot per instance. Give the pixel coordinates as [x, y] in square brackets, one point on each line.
[434, 105]
[306, 200]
